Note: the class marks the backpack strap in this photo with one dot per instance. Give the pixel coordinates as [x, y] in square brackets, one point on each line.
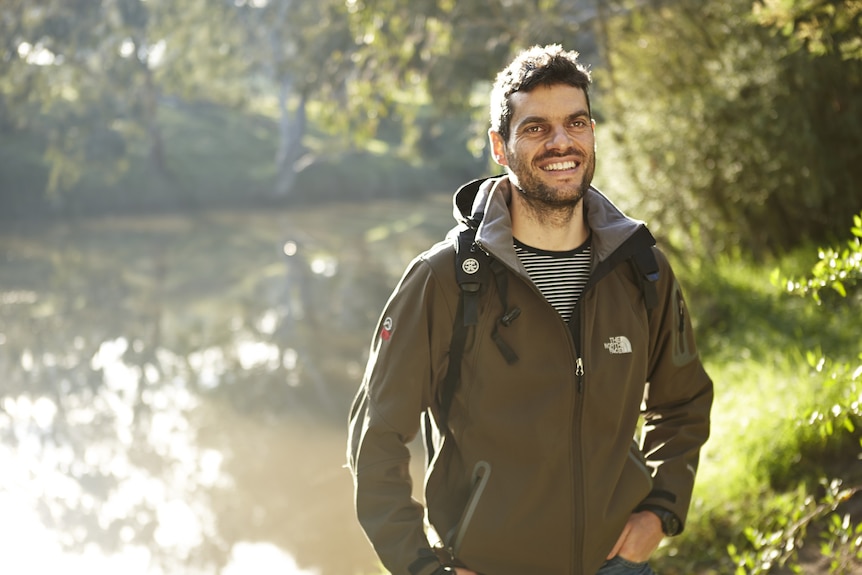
[471, 270]
[647, 274]
[472, 267]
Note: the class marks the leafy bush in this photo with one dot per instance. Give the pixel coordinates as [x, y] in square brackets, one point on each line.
[782, 468]
[838, 270]
[777, 540]
[714, 111]
[822, 441]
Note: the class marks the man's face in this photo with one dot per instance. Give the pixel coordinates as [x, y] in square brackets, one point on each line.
[550, 152]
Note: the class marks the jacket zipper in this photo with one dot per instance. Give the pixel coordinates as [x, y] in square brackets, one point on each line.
[579, 371]
[578, 521]
[574, 328]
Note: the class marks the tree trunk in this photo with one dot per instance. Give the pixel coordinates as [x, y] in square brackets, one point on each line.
[149, 109]
[292, 126]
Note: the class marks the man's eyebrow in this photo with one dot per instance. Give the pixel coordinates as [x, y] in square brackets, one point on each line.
[535, 119]
[580, 114]
[531, 120]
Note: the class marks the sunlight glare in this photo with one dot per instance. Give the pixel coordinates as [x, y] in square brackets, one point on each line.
[179, 526]
[327, 267]
[42, 481]
[262, 559]
[268, 322]
[127, 48]
[253, 354]
[37, 550]
[156, 53]
[37, 55]
[209, 365]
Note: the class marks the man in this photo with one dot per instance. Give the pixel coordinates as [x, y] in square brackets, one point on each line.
[535, 470]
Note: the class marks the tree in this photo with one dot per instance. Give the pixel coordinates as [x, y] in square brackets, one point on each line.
[303, 51]
[53, 82]
[90, 76]
[730, 131]
[445, 50]
[825, 27]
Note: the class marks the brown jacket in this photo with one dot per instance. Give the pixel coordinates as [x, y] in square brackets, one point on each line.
[538, 470]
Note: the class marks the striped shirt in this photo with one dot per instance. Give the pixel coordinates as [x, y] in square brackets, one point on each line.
[560, 276]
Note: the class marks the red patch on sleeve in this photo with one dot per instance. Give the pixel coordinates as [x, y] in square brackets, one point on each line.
[386, 330]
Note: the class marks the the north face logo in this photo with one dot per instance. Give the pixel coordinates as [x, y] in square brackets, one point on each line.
[618, 345]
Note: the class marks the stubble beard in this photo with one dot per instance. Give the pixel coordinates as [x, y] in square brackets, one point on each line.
[548, 204]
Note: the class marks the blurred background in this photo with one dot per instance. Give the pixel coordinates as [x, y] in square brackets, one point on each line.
[204, 205]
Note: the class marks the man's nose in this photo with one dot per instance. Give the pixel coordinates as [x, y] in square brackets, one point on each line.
[559, 138]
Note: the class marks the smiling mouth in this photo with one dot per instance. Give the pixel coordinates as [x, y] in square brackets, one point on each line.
[561, 166]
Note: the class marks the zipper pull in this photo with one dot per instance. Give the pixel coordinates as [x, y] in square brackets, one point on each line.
[579, 371]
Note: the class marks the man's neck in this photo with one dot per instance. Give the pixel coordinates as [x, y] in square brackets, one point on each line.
[547, 228]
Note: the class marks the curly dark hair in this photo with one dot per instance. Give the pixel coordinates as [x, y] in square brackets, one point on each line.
[539, 65]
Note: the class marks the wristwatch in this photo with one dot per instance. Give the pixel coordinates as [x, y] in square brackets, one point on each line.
[670, 524]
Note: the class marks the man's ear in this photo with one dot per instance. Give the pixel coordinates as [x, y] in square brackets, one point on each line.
[498, 147]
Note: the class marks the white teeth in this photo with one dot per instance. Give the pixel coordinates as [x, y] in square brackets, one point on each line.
[561, 166]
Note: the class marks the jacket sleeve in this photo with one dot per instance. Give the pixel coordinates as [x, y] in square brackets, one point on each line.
[385, 417]
[678, 399]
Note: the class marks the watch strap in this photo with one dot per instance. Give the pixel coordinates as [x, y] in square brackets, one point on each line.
[670, 523]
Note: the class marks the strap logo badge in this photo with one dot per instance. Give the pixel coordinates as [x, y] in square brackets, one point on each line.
[470, 266]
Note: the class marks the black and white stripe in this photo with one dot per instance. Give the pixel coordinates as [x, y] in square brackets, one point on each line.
[560, 276]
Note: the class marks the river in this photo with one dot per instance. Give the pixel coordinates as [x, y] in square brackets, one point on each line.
[174, 388]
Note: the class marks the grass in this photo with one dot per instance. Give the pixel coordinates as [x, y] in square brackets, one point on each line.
[786, 414]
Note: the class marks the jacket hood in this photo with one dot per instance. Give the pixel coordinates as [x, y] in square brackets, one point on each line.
[485, 202]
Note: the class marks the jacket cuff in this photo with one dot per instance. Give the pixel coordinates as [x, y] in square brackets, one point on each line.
[667, 501]
[427, 564]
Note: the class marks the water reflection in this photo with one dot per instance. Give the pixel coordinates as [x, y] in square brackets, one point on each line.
[174, 390]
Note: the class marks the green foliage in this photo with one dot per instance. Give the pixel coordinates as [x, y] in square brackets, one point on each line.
[222, 158]
[810, 446]
[363, 176]
[443, 50]
[87, 77]
[730, 129]
[832, 26]
[723, 123]
[778, 538]
[842, 543]
[836, 269]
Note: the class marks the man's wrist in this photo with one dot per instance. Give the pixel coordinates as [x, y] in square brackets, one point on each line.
[670, 523]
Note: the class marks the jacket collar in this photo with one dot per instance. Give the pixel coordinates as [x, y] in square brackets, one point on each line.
[487, 201]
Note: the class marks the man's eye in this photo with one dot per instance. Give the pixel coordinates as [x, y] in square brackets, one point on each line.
[533, 129]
